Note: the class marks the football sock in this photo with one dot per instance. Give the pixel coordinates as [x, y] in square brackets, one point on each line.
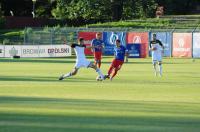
[115, 73]
[110, 70]
[99, 73]
[99, 64]
[67, 75]
[154, 67]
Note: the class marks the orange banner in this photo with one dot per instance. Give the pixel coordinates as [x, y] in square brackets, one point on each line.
[182, 45]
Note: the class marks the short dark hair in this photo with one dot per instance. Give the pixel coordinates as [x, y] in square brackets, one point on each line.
[118, 40]
[98, 33]
[80, 39]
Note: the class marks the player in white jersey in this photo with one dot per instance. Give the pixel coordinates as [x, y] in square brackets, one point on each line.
[81, 60]
[157, 50]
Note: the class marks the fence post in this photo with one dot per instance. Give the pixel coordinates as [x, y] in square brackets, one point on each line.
[24, 35]
[172, 32]
[192, 39]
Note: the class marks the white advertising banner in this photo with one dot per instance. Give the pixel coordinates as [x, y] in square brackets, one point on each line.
[35, 50]
[1, 51]
[12, 50]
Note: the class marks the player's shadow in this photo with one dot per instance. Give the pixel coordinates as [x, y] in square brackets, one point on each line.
[27, 78]
[44, 79]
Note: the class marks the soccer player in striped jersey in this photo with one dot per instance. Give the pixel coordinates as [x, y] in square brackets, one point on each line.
[120, 53]
[81, 61]
[98, 46]
[157, 50]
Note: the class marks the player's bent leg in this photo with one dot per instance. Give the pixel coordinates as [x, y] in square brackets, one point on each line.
[117, 68]
[91, 65]
[72, 73]
[112, 66]
[110, 69]
[95, 63]
[114, 74]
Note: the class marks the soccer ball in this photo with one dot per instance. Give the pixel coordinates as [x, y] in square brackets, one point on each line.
[98, 78]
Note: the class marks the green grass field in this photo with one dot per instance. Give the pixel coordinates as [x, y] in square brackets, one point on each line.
[33, 100]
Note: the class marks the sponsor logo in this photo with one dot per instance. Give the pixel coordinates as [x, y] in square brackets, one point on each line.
[113, 38]
[13, 51]
[182, 49]
[137, 39]
[58, 50]
[181, 46]
[134, 54]
[181, 42]
[33, 51]
[132, 48]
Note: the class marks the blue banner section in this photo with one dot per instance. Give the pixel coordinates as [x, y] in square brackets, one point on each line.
[109, 39]
[196, 45]
[134, 50]
[166, 39]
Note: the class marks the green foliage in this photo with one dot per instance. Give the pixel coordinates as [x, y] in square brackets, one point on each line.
[1, 12]
[2, 22]
[12, 36]
[139, 23]
[61, 9]
[14, 33]
[81, 9]
[138, 9]
[101, 9]
[6, 41]
[150, 23]
[40, 12]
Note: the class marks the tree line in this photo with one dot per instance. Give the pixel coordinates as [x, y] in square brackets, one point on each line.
[96, 9]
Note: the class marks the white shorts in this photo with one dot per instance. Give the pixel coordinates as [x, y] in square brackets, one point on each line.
[82, 63]
[156, 57]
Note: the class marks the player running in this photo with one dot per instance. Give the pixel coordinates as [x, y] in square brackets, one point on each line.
[157, 49]
[98, 46]
[120, 52]
[81, 61]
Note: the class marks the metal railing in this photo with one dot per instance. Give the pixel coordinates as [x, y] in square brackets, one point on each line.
[58, 35]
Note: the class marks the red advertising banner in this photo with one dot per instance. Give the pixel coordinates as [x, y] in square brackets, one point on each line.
[88, 37]
[139, 38]
[182, 45]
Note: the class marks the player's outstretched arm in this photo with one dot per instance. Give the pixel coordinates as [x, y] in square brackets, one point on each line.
[91, 47]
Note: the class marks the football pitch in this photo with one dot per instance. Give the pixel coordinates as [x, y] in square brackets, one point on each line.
[33, 100]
